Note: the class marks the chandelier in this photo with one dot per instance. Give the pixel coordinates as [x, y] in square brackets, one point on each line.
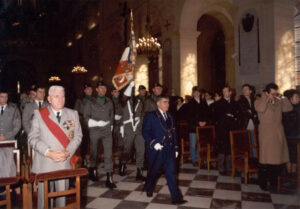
[79, 69]
[54, 79]
[148, 44]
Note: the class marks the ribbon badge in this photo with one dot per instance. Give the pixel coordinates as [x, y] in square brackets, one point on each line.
[68, 124]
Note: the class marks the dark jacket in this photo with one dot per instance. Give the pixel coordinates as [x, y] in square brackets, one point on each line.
[246, 112]
[291, 122]
[197, 112]
[225, 123]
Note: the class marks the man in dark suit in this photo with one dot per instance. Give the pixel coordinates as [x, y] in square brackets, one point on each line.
[162, 149]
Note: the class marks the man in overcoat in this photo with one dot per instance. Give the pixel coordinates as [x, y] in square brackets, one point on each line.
[273, 149]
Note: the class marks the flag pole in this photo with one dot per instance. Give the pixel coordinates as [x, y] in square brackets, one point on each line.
[133, 66]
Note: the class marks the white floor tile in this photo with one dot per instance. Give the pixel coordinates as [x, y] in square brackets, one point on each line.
[162, 181]
[229, 179]
[186, 176]
[160, 206]
[227, 194]
[252, 188]
[105, 203]
[165, 190]
[140, 197]
[256, 205]
[130, 186]
[200, 202]
[211, 172]
[203, 184]
[286, 199]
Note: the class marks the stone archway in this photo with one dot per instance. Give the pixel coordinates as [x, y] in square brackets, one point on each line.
[210, 54]
[192, 11]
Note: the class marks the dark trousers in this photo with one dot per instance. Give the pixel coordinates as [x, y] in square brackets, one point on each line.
[268, 173]
[165, 158]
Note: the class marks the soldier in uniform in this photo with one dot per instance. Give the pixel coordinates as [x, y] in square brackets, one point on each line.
[131, 131]
[162, 148]
[99, 115]
[10, 124]
[37, 103]
[117, 139]
[79, 106]
[55, 136]
[142, 93]
[150, 102]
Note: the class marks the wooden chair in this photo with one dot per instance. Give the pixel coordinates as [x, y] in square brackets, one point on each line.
[7, 182]
[242, 152]
[292, 179]
[61, 174]
[206, 138]
[183, 135]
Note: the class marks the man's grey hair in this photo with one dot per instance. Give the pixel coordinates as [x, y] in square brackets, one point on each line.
[55, 88]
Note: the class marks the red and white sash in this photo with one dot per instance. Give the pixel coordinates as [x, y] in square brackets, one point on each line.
[57, 132]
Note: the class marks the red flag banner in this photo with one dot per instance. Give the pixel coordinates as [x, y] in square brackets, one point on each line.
[125, 69]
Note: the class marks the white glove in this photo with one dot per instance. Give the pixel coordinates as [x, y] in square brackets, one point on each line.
[158, 146]
[128, 90]
[122, 131]
[131, 83]
[176, 154]
[102, 123]
[92, 123]
[118, 117]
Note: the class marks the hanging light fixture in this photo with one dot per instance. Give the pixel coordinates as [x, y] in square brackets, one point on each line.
[79, 69]
[148, 44]
[54, 79]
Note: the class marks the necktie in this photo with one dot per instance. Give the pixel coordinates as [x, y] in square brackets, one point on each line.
[2, 110]
[165, 116]
[58, 116]
[40, 105]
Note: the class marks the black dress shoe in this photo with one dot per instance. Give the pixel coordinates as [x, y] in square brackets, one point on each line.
[139, 175]
[93, 174]
[109, 181]
[179, 202]
[149, 194]
[122, 169]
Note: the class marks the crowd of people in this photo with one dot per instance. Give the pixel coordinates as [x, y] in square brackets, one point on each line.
[144, 126]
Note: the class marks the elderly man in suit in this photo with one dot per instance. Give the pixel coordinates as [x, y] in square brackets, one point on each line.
[162, 149]
[10, 124]
[55, 135]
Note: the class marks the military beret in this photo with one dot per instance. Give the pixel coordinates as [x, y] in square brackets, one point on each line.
[157, 85]
[101, 83]
[142, 87]
[86, 85]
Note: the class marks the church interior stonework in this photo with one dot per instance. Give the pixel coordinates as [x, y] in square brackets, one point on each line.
[184, 48]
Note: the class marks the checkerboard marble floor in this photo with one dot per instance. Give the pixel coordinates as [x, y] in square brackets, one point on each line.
[200, 188]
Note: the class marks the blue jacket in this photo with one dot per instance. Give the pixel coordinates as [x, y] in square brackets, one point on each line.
[155, 129]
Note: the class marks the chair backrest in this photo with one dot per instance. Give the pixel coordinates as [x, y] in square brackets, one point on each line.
[206, 135]
[240, 142]
[13, 144]
[62, 174]
[182, 129]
